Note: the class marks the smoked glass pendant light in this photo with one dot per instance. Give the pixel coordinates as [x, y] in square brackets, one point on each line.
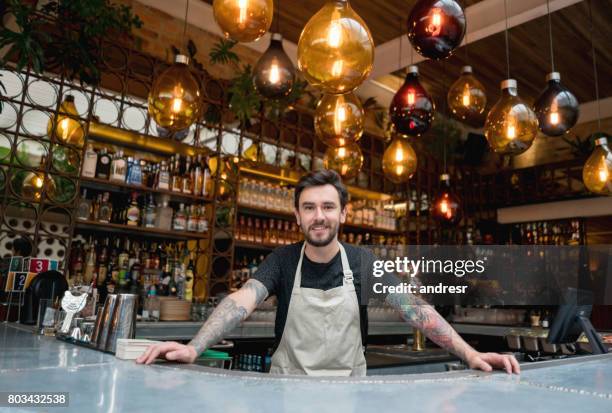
[412, 109]
[597, 171]
[243, 20]
[399, 161]
[557, 108]
[436, 27]
[65, 126]
[346, 160]
[335, 50]
[467, 98]
[446, 207]
[339, 119]
[175, 100]
[511, 125]
[274, 74]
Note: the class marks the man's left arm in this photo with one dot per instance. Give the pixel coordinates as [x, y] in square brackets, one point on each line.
[418, 313]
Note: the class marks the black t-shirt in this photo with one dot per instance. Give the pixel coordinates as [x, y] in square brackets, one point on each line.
[277, 273]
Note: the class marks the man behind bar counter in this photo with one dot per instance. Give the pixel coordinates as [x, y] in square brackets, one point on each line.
[320, 326]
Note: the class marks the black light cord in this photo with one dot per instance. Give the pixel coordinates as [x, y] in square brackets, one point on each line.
[507, 42]
[595, 65]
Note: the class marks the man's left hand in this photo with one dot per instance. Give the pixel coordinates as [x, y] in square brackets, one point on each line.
[490, 361]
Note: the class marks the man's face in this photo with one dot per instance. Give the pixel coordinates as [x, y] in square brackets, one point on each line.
[319, 214]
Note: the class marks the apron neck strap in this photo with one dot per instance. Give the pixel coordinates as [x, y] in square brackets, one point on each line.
[346, 269]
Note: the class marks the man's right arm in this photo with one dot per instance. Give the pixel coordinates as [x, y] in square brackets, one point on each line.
[234, 309]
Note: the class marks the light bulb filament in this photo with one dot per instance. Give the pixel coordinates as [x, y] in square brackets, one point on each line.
[334, 35]
[444, 206]
[603, 174]
[399, 170]
[466, 99]
[337, 67]
[64, 125]
[242, 5]
[274, 77]
[399, 155]
[177, 104]
[554, 118]
[435, 25]
[411, 97]
[511, 132]
[339, 119]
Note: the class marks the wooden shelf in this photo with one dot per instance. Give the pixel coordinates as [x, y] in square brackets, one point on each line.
[256, 246]
[368, 228]
[116, 186]
[264, 212]
[138, 231]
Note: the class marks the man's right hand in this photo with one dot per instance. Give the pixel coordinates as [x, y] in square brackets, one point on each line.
[171, 350]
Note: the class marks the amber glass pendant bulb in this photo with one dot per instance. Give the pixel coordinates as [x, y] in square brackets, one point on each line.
[597, 171]
[65, 126]
[243, 20]
[557, 108]
[175, 100]
[399, 161]
[274, 74]
[436, 27]
[511, 125]
[346, 160]
[412, 109]
[335, 50]
[446, 207]
[467, 99]
[339, 119]
[33, 185]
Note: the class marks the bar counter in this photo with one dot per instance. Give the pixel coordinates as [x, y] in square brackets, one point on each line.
[99, 382]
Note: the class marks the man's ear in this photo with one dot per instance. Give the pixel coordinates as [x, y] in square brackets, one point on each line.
[343, 215]
[297, 216]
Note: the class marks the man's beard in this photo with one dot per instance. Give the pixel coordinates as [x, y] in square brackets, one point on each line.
[333, 231]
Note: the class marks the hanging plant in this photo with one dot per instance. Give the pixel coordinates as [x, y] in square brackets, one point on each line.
[64, 35]
[443, 132]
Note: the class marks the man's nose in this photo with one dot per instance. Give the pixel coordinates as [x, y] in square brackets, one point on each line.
[319, 213]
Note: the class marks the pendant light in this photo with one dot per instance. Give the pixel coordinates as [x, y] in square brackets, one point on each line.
[597, 171]
[175, 99]
[557, 108]
[339, 119]
[399, 161]
[336, 50]
[436, 27]
[243, 20]
[274, 74]
[65, 126]
[446, 207]
[511, 125]
[346, 160]
[412, 109]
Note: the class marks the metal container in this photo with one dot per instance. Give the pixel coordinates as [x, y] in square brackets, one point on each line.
[531, 343]
[548, 347]
[514, 342]
[123, 321]
[103, 322]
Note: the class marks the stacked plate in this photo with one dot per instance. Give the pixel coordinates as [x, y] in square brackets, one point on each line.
[173, 309]
[131, 349]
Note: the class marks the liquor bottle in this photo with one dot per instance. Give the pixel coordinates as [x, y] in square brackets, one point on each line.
[105, 209]
[266, 233]
[193, 218]
[280, 236]
[206, 181]
[102, 265]
[163, 180]
[189, 279]
[179, 221]
[187, 182]
[89, 162]
[177, 184]
[287, 233]
[122, 265]
[84, 207]
[197, 177]
[150, 214]
[250, 233]
[95, 207]
[118, 168]
[273, 232]
[133, 212]
[240, 229]
[90, 262]
[134, 174]
[103, 165]
[202, 220]
[258, 231]
[163, 217]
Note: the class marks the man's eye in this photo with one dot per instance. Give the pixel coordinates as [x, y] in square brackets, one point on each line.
[329, 207]
[308, 208]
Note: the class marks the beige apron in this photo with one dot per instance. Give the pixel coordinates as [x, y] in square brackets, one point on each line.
[322, 335]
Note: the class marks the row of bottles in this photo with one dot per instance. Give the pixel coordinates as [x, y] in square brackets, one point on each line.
[371, 239]
[143, 211]
[567, 232]
[370, 213]
[188, 175]
[243, 270]
[265, 195]
[252, 362]
[268, 231]
[117, 265]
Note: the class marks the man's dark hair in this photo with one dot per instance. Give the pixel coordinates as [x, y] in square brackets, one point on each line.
[320, 178]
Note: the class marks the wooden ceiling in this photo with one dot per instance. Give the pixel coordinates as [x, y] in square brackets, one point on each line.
[383, 17]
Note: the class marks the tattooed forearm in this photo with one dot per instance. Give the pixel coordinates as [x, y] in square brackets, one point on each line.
[423, 316]
[229, 313]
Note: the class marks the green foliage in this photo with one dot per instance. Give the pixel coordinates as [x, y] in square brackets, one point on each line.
[222, 53]
[580, 147]
[444, 132]
[244, 99]
[275, 109]
[70, 40]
